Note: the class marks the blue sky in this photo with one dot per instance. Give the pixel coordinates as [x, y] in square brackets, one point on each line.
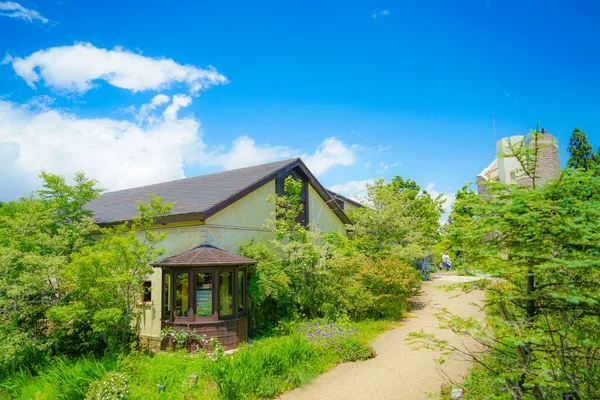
[360, 89]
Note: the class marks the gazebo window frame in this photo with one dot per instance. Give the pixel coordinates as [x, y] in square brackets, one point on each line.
[216, 273]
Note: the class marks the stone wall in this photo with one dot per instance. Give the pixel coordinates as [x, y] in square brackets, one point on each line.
[548, 161]
[481, 187]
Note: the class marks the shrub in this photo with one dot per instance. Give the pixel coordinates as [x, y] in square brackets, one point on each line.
[113, 386]
[391, 282]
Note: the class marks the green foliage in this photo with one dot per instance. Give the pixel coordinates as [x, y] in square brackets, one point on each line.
[103, 284]
[339, 339]
[261, 370]
[398, 219]
[456, 239]
[268, 367]
[61, 379]
[67, 287]
[540, 244]
[113, 386]
[582, 155]
[38, 237]
[145, 372]
[305, 275]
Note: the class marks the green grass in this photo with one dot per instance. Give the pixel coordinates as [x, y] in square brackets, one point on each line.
[369, 331]
[61, 379]
[146, 372]
[264, 369]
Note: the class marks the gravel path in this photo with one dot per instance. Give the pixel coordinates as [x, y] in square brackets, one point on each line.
[398, 371]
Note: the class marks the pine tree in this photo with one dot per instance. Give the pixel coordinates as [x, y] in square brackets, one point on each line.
[582, 155]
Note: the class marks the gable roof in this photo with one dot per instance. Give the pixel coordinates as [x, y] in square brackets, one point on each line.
[200, 197]
[204, 255]
[345, 199]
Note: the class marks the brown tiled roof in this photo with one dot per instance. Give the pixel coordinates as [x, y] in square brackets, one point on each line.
[191, 195]
[200, 197]
[204, 255]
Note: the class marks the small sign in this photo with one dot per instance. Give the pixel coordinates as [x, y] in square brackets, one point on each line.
[457, 393]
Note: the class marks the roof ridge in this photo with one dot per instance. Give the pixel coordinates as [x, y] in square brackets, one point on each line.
[287, 161]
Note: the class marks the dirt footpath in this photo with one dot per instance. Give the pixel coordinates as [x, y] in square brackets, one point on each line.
[398, 371]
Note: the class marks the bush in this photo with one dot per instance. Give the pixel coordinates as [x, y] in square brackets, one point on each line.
[283, 289]
[113, 386]
[19, 352]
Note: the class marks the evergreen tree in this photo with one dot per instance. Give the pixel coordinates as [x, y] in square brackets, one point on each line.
[582, 154]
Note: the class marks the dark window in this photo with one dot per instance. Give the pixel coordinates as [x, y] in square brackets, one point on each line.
[166, 294]
[181, 295]
[241, 287]
[226, 293]
[147, 292]
[204, 294]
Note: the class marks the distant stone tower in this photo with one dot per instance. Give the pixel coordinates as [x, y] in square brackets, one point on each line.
[508, 169]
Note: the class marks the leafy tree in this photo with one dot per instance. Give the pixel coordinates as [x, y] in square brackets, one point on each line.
[582, 154]
[103, 284]
[38, 237]
[457, 238]
[398, 218]
[66, 286]
[303, 274]
[540, 245]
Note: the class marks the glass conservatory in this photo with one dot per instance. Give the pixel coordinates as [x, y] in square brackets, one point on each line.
[205, 289]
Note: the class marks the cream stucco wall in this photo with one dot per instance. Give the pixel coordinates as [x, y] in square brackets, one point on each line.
[506, 165]
[321, 216]
[228, 229]
[242, 221]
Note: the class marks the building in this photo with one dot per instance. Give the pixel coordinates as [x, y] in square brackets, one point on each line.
[508, 170]
[201, 282]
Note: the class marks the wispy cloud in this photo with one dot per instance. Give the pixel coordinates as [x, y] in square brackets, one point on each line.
[384, 166]
[378, 14]
[507, 94]
[15, 10]
[354, 189]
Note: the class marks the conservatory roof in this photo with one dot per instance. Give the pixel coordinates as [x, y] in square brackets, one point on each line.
[203, 255]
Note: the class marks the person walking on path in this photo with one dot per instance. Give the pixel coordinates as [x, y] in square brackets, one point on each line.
[446, 264]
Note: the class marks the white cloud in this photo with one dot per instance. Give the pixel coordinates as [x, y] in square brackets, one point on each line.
[381, 148]
[179, 101]
[447, 206]
[245, 152]
[146, 109]
[15, 10]
[353, 189]
[377, 14]
[332, 152]
[120, 154]
[76, 69]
